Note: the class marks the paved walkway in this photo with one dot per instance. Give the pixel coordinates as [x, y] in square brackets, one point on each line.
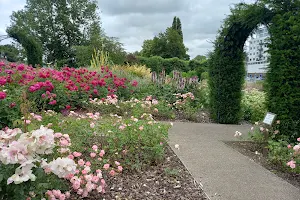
[225, 173]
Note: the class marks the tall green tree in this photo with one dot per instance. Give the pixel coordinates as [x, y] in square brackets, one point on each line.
[57, 24]
[168, 44]
[176, 25]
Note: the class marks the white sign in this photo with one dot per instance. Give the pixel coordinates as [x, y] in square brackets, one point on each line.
[269, 118]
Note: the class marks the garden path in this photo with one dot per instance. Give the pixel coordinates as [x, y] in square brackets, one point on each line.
[225, 173]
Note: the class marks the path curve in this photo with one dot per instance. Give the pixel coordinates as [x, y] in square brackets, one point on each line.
[225, 173]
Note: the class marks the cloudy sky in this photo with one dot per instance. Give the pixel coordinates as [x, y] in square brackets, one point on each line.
[133, 21]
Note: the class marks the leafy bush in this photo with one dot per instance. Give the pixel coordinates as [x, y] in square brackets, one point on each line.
[253, 105]
[137, 70]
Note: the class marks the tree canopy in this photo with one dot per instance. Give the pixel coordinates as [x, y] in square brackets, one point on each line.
[57, 25]
[168, 44]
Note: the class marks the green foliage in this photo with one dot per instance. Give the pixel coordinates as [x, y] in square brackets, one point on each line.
[168, 44]
[279, 154]
[57, 26]
[227, 68]
[204, 76]
[157, 64]
[283, 80]
[253, 105]
[33, 50]
[10, 52]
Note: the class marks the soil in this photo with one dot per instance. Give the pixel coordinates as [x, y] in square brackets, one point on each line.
[254, 152]
[169, 180]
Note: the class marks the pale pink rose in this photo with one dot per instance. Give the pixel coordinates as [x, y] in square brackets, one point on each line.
[122, 127]
[80, 191]
[296, 147]
[292, 164]
[64, 142]
[92, 125]
[106, 166]
[289, 146]
[298, 139]
[141, 128]
[102, 152]
[99, 189]
[95, 179]
[77, 154]
[120, 168]
[84, 172]
[71, 156]
[81, 162]
[62, 197]
[261, 129]
[88, 163]
[93, 155]
[57, 135]
[47, 170]
[85, 193]
[27, 121]
[117, 163]
[95, 147]
[112, 172]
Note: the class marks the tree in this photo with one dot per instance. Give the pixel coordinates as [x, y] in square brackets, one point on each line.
[200, 58]
[147, 48]
[176, 25]
[168, 44]
[57, 24]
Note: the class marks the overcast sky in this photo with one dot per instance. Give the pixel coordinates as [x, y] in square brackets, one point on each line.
[133, 21]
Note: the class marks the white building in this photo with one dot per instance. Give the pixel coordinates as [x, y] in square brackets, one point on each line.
[257, 57]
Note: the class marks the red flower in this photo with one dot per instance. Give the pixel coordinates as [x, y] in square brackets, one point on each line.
[53, 102]
[68, 107]
[12, 105]
[134, 83]
[2, 95]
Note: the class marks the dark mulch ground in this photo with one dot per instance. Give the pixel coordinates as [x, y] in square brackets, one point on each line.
[254, 152]
[169, 180]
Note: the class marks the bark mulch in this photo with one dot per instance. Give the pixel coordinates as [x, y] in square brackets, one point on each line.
[169, 180]
[254, 152]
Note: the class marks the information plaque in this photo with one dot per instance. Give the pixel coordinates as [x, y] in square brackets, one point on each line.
[269, 118]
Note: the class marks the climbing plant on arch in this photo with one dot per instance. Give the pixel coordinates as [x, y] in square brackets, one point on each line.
[227, 67]
[31, 46]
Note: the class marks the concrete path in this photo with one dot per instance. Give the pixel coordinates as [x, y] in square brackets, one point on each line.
[225, 173]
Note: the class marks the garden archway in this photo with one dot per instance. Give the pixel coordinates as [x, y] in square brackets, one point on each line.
[227, 61]
[283, 81]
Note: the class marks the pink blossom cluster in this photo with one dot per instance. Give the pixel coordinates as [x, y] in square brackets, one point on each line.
[182, 98]
[85, 180]
[57, 195]
[110, 99]
[296, 154]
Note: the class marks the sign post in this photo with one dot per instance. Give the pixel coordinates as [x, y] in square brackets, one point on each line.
[268, 120]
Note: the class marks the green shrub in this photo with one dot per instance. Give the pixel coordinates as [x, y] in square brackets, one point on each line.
[253, 105]
[283, 80]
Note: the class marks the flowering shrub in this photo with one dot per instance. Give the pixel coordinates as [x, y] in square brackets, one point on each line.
[58, 90]
[253, 105]
[132, 107]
